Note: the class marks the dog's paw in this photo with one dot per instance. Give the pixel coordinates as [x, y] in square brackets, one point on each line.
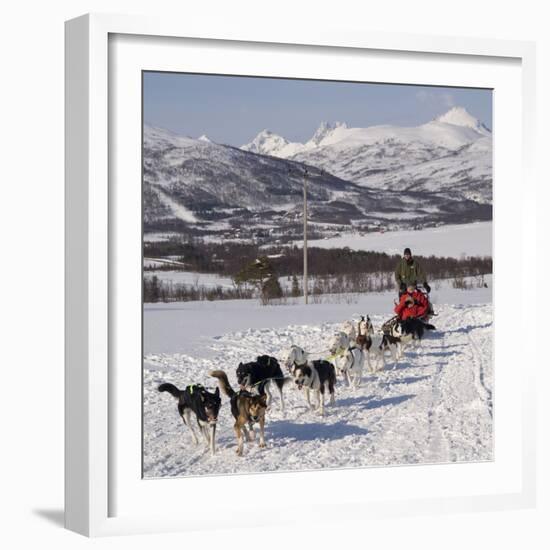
[262, 444]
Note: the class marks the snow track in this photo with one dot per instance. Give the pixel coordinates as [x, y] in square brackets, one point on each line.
[434, 406]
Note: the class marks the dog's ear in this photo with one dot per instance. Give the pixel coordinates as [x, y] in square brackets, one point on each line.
[263, 400]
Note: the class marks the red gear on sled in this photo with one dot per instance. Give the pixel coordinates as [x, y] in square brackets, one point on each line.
[412, 305]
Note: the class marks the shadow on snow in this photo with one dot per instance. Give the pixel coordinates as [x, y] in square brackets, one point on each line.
[469, 328]
[312, 431]
[369, 403]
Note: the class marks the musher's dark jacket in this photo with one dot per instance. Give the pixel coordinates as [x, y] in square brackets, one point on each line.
[409, 272]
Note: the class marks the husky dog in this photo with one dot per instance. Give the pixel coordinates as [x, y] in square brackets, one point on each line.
[312, 376]
[348, 359]
[260, 375]
[348, 328]
[247, 409]
[377, 344]
[411, 329]
[197, 400]
[295, 356]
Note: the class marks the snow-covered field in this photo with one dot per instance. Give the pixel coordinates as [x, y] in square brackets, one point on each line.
[471, 239]
[436, 405]
[191, 278]
[204, 280]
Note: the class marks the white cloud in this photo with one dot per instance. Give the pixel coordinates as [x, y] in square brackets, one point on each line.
[426, 96]
[448, 100]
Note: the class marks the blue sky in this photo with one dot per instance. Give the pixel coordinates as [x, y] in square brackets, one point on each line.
[233, 109]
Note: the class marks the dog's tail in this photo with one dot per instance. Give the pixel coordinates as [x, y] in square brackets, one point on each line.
[171, 389]
[428, 326]
[223, 382]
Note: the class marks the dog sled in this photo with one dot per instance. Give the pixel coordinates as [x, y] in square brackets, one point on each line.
[389, 325]
[430, 312]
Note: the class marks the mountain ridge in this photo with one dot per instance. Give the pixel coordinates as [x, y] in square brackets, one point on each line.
[204, 188]
[330, 133]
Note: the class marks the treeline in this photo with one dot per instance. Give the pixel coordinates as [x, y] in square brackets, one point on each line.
[227, 259]
[351, 284]
[340, 261]
[156, 290]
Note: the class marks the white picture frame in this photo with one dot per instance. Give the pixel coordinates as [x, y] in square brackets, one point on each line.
[94, 444]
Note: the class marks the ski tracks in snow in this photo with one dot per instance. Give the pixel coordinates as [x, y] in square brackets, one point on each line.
[434, 406]
[481, 361]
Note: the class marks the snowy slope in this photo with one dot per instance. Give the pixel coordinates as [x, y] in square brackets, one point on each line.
[435, 406]
[466, 172]
[455, 241]
[187, 175]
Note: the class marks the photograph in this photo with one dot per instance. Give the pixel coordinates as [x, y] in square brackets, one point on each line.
[317, 271]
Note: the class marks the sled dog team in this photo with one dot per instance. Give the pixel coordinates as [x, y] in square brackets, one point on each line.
[353, 347]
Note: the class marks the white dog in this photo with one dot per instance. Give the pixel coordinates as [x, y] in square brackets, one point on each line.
[349, 329]
[349, 359]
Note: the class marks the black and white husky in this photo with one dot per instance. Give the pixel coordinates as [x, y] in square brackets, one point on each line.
[197, 400]
[377, 344]
[315, 376]
[260, 375]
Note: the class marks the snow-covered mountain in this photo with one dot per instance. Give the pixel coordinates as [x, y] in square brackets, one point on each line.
[326, 132]
[395, 177]
[459, 116]
[451, 152]
[268, 143]
[197, 181]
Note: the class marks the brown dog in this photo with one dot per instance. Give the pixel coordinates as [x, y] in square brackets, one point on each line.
[248, 409]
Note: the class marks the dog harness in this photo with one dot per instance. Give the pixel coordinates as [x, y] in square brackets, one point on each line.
[192, 387]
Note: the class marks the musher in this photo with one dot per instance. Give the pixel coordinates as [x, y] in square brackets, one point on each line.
[408, 271]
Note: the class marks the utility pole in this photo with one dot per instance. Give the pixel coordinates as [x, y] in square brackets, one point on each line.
[305, 234]
[305, 175]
